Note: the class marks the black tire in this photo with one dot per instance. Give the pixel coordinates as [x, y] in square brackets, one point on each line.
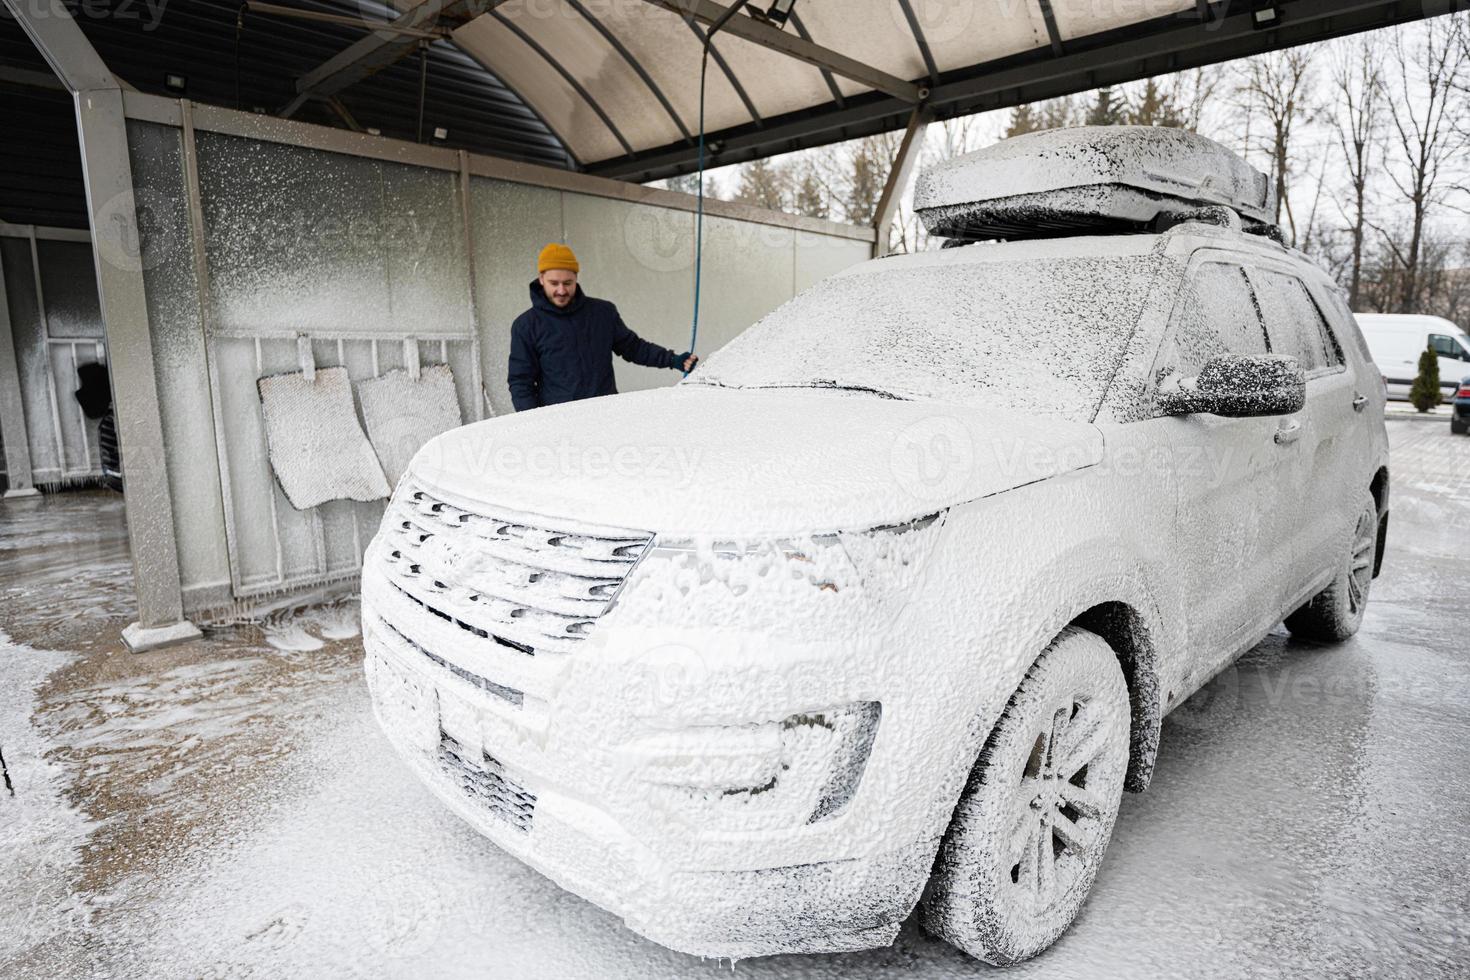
[1030, 829]
[1458, 427]
[1335, 613]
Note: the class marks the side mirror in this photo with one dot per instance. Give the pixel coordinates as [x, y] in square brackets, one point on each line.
[1240, 386]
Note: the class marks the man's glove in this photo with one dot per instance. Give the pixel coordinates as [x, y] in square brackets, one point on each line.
[682, 359]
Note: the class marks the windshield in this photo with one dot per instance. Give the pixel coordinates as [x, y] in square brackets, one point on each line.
[1042, 336]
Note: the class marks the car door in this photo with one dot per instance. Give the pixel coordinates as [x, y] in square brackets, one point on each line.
[1321, 488]
[1229, 524]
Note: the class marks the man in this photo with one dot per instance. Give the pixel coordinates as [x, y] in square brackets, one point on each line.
[561, 348]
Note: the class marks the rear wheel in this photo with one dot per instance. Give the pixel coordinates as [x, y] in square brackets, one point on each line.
[1335, 613]
[1031, 827]
[1459, 426]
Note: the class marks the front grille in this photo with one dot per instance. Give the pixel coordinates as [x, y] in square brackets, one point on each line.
[385, 632]
[504, 578]
[484, 780]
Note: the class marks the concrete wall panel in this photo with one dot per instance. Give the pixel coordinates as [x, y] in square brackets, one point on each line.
[639, 259]
[509, 224]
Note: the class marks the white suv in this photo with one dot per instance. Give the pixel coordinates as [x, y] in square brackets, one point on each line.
[885, 603]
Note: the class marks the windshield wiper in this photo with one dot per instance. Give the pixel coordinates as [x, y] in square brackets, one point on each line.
[823, 383]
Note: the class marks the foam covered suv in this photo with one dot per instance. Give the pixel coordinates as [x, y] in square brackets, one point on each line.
[885, 603]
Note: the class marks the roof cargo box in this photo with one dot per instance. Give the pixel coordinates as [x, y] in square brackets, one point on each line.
[1087, 179]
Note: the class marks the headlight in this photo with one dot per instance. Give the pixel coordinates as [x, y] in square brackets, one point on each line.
[823, 584]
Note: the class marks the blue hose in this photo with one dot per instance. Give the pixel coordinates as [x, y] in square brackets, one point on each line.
[699, 208]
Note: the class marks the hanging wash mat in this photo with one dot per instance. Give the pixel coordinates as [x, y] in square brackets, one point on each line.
[402, 413]
[316, 446]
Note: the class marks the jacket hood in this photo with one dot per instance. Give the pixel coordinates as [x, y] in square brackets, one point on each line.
[701, 460]
[540, 301]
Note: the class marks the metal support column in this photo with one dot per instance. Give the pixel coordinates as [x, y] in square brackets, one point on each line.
[12, 409]
[898, 179]
[116, 250]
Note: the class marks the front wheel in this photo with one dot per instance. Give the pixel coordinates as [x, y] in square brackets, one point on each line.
[1030, 829]
[1335, 613]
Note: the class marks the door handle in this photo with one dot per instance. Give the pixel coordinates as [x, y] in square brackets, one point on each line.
[1359, 400]
[1289, 432]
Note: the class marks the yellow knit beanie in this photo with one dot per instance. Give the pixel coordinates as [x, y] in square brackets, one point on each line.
[556, 256]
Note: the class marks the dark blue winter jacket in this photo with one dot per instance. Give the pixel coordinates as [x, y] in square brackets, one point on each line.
[562, 354]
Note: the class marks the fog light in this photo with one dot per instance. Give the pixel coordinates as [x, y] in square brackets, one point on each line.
[803, 769]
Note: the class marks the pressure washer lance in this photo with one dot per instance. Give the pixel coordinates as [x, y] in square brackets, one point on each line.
[709, 36]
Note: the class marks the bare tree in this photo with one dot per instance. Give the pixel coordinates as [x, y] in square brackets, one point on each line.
[871, 160]
[1278, 86]
[1193, 93]
[1357, 86]
[1427, 110]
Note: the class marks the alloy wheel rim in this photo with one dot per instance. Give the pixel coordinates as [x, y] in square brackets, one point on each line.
[1058, 813]
[1360, 567]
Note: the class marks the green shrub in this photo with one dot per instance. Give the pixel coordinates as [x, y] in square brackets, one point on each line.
[1425, 393]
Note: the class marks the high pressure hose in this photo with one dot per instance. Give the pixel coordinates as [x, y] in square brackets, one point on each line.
[699, 206]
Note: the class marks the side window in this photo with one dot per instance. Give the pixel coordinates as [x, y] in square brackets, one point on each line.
[1294, 323]
[1347, 323]
[1446, 346]
[1217, 316]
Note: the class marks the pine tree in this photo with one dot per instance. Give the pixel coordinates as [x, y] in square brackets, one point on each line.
[686, 183]
[1023, 120]
[1424, 393]
[764, 185]
[1057, 113]
[1106, 110]
[811, 197]
[1155, 107]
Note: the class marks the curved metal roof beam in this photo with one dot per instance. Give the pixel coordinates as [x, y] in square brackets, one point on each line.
[755, 115]
[633, 63]
[570, 78]
[806, 35]
[566, 148]
[921, 41]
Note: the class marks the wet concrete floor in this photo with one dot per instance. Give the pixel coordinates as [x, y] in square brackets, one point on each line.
[228, 808]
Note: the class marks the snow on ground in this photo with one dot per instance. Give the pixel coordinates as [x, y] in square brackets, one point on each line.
[229, 808]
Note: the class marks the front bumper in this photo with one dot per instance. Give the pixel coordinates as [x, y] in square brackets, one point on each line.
[571, 762]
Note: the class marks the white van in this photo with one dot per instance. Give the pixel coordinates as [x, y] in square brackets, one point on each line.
[1397, 339]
